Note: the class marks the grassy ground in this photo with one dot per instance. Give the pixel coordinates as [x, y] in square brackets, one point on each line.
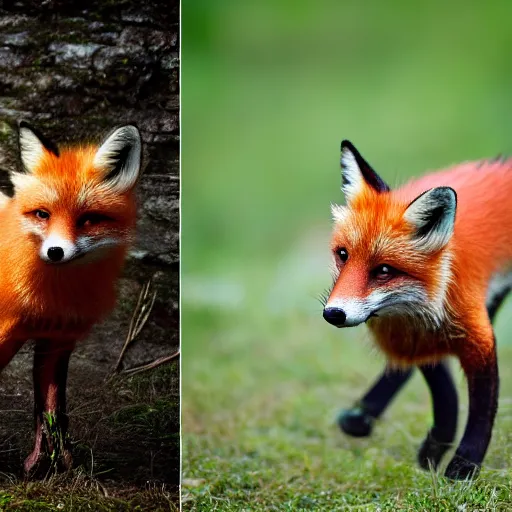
[269, 89]
[140, 411]
[261, 434]
[125, 449]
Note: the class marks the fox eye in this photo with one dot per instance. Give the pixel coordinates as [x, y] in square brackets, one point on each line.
[42, 214]
[384, 272]
[343, 254]
[89, 219]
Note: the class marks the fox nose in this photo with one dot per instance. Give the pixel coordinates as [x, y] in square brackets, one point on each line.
[55, 253]
[335, 316]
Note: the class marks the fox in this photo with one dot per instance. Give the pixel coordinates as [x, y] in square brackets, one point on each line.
[64, 236]
[426, 267]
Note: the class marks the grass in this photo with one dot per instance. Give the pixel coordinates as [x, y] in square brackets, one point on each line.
[78, 492]
[261, 434]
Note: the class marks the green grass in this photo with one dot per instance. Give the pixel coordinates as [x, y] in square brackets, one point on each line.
[77, 492]
[260, 426]
[269, 89]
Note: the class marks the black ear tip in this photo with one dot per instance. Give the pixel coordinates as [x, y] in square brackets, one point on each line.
[346, 144]
[45, 141]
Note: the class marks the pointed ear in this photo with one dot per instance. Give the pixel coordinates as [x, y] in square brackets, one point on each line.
[433, 216]
[357, 173]
[33, 144]
[119, 157]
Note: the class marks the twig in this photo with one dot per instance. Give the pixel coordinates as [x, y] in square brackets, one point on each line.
[149, 366]
[140, 316]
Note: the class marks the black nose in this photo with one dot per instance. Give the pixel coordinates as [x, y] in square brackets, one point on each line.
[55, 253]
[335, 316]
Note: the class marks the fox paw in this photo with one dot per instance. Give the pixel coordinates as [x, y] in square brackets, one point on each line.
[356, 422]
[461, 469]
[431, 452]
[39, 465]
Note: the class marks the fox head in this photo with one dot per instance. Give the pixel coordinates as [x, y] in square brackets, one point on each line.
[79, 202]
[391, 254]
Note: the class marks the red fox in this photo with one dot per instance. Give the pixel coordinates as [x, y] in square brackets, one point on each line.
[65, 234]
[426, 266]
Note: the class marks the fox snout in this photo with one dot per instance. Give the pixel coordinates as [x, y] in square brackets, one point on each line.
[56, 249]
[346, 318]
[343, 312]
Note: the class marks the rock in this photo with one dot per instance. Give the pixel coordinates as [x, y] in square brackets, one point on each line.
[170, 61]
[18, 39]
[10, 21]
[9, 58]
[77, 55]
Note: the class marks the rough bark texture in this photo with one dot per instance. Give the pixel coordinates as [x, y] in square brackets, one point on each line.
[76, 70]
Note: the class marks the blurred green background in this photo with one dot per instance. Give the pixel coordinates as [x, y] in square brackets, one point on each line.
[269, 89]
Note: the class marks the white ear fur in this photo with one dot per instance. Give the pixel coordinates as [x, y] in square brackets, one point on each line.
[31, 148]
[120, 158]
[339, 213]
[353, 181]
[357, 173]
[433, 216]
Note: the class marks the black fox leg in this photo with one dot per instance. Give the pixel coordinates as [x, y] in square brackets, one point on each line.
[483, 387]
[358, 421]
[494, 303]
[445, 408]
[50, 371]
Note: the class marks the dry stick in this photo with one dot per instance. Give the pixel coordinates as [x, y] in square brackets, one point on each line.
[154, 364]
[139, 318]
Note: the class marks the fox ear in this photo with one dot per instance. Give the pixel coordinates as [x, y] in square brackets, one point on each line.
[119, 157]
[33, 145]
[357, 173]
[433, 216]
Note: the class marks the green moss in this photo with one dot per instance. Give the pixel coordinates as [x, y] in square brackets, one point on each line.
[5, 131]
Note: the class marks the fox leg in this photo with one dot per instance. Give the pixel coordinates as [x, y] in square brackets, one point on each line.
[51, 359]
[483, 388]
[445, 408]
[483, 385]
[358, 421]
